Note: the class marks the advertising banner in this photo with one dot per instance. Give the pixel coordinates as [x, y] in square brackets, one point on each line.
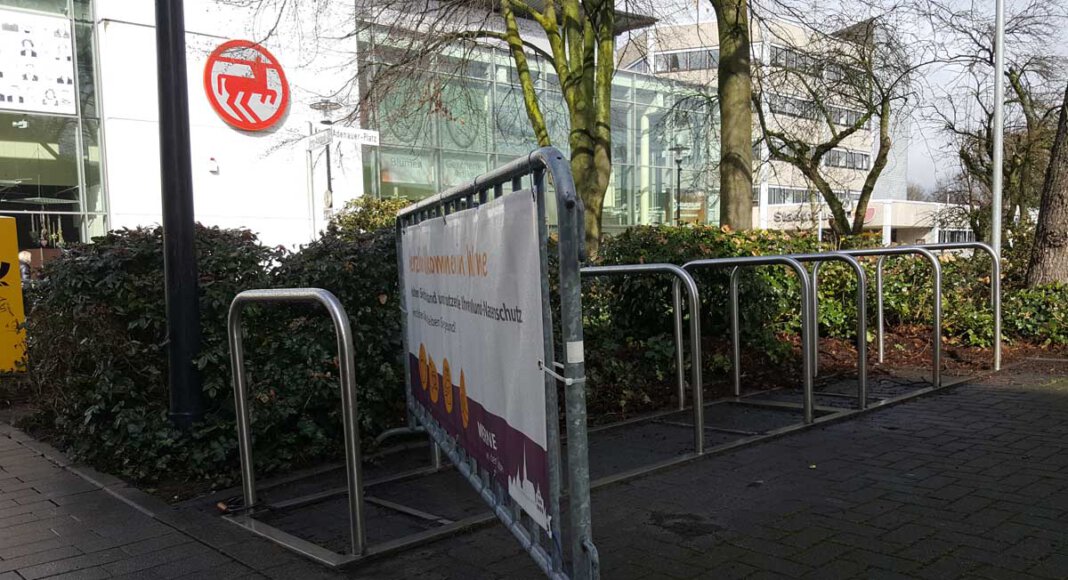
[475, 334]
[36, 63]
[12, 314]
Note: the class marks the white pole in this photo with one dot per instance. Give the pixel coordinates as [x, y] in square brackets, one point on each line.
[999, 121]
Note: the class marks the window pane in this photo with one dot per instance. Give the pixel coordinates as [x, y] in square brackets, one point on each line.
[83, 39]
[94, 191]
[54, 6]
[462, 118]
[38, 163]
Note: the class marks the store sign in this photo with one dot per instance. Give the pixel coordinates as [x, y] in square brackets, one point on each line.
[12, 315]
[806, 217]
[246, 85]
[407, 167]
[36, 64]
[692, 208]
[475, 334]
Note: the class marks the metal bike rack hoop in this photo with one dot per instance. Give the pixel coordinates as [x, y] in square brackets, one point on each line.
[995, 286]
[806, 317]
[862, 315]
[354, 476]
[680, 277]
[936, 267]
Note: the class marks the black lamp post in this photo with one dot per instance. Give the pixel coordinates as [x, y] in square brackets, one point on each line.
[678, 150]
[179, 257]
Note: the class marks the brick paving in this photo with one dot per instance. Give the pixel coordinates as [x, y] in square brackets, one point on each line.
[971, 482]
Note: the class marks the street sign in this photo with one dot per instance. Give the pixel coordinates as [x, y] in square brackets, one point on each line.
[351, 134]
[246, 85]
[320, 139]
[358, 136]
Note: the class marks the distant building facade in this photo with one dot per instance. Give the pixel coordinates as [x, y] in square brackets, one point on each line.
[782, 197]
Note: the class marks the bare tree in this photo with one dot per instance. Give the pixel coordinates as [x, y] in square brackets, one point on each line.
[966, 204]
[964, 109]
[823, 100]
[419, 51]
[1049, 254]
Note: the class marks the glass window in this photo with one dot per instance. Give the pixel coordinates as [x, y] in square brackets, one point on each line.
[403, 117]
[462, 116]
[83, 39]
[54, 6]
[457, 168]
[955, 236]
[95, 225]
[512, 127]
[622, 132]
[91, 159]
[407, 173]
[38, 163]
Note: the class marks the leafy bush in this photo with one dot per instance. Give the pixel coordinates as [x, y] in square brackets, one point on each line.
[640, 306]
[367, 214]
[1040, 314]
[98, 359]
[97, 333]
[361, 270]
[97, 355]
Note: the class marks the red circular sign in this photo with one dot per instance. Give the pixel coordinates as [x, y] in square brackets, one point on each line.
[246, 85]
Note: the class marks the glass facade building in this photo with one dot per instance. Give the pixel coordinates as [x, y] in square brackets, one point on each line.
[50, 156]
[437, 131]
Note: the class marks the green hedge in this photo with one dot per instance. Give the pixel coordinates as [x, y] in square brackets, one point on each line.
[98, 359]
[97, 352]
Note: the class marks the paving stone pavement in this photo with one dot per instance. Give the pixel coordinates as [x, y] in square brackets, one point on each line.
[971, 482]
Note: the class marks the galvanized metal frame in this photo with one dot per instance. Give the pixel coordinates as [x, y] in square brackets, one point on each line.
[680, 277]
[995, 290]
[547, 552]
[806, 315]
[862, 320]
[936, 268]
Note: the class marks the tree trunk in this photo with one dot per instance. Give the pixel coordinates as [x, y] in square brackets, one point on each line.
[736, 116]
[591, 180]
[1049, 255]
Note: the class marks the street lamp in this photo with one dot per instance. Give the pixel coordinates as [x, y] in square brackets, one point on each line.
[678, 150]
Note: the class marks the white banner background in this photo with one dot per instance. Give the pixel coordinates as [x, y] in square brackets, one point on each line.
[473, 293]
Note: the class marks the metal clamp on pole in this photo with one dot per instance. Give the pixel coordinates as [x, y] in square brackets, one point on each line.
[806, 316]
[346, 358]
[681, 278]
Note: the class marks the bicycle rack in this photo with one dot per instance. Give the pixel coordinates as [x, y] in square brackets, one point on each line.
[359, 549]
[680, 277]
[862, 321]
[354, 477]
[806, 315]
[995, 291]
[882, 253]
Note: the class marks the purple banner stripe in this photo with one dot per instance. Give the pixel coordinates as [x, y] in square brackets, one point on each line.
[512, 458]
